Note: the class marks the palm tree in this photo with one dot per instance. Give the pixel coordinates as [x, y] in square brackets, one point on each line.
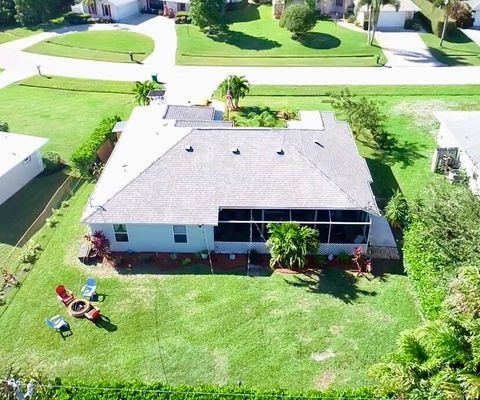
[396, 210]
[376, 8]
[141, 91]
[290, 243]
[447, 6]
[369, 5]
[234, 87]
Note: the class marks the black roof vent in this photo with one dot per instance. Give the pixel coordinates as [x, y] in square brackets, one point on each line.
[280, 151]
[318, 143]
[189, 148]
[235, 150]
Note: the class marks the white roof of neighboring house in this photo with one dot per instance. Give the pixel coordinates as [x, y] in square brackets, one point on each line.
[405, 5]
[474, 4]
[14, 148]
[464, 126]
[152, 177]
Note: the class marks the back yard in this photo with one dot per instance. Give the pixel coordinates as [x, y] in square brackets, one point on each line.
[194, 327]
[254, 38]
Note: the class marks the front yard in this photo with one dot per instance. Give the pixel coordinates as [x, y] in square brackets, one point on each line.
[410, 120]
[255, 39]
[457, 49]
[111, 45]
[279, 331]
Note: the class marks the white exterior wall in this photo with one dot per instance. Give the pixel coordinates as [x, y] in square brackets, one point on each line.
[19, 176]
[446, 139]
[391, 19]
[476, 21]
[156, 237]
[127, 10]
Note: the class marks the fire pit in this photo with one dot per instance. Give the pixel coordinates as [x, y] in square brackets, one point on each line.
[79, 307]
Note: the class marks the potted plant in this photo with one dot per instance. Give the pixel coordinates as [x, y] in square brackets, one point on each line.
[204, 254]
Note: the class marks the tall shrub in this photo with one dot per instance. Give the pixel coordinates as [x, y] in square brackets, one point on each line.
[85, 155]
[442, 236]
[207, 13]
[298, 19]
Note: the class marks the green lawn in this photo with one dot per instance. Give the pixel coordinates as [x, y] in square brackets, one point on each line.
[255, 39]
[9, 34]
[458, 48]
[97, 45]
[65, 110]
[194, 327]
[410, 120]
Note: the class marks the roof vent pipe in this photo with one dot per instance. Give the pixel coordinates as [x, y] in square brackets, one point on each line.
[235, 150]
[318, 143]
[280, 151]
[189, 148]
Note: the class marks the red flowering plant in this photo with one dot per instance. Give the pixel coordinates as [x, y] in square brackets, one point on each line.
[99, 242]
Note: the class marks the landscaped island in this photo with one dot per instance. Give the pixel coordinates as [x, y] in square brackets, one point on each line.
[254, 38]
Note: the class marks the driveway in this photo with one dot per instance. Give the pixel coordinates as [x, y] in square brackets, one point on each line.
[473, 34]
[405, 49]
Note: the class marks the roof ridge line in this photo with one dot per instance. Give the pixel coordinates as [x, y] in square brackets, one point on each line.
[136, 176]
[320, 171]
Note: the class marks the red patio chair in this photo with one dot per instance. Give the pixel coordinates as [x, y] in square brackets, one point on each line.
[93, 314]
[64, 295]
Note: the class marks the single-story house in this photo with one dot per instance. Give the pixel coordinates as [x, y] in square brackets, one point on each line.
[460, 131]
[20, 162]
[475, 6]
[180, 180]
[118, 10]
[389, 17]
[326, 7]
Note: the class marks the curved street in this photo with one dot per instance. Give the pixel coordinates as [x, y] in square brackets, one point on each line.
[192, 82]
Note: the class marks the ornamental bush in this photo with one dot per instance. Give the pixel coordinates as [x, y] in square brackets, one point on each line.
[85, 155]
[52, 162]
[298, 19]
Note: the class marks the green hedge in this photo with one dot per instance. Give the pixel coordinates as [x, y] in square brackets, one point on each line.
[85, 155]
[158, 391]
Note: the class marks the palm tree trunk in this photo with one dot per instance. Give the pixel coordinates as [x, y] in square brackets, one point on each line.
[369, 23]
[374, 29]
[444, 30]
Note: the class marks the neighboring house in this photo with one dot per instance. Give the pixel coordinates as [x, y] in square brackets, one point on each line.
[180, 180]
[460, 132]
[326, 7]
[110, 9]
[475, 6]
[389, 17]
[118, 10]
[20, 162]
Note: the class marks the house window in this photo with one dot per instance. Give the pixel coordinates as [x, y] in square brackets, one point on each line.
[179, 233]
[121, 234]
[106, 10]
[27, 160]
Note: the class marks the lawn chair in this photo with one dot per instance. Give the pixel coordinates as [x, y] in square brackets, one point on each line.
[64, 295]
[93, 314]
[89, 289]
[58, 323]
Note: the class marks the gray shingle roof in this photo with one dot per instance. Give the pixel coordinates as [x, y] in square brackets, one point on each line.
[318, 169]
[189, 113]
[204, 124]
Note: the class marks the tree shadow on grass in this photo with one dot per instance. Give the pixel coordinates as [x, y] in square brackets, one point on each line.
[384, 182]
[318, 40]
[244, 41]
[454, 56]
[247, 14]
[335, 282]
[391, 151]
